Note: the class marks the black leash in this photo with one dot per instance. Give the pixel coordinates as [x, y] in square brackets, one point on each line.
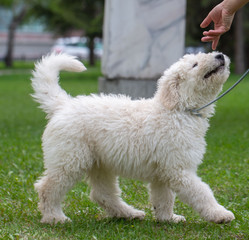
[196, 111]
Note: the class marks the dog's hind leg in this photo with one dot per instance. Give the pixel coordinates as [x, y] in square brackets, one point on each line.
[106, 192]
[162, 198]
[51, 189]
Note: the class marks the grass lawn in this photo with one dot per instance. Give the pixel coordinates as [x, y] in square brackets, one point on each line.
[225, 169]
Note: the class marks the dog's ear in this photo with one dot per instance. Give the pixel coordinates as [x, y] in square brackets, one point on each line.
[168, 90]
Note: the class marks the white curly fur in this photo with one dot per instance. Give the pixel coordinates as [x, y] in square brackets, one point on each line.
[155, 140]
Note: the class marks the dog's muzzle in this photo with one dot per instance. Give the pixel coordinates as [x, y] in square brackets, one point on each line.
[221, 59]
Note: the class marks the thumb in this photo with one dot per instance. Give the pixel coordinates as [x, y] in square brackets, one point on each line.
[206, 21]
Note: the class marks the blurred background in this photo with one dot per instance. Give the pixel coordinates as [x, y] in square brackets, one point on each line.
[32, 28]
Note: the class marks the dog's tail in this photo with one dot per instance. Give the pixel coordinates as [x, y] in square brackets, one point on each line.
[46, 77]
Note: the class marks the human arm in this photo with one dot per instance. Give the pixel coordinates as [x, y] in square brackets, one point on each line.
[232, 6]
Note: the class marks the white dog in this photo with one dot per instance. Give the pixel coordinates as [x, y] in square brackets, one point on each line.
[155, 140]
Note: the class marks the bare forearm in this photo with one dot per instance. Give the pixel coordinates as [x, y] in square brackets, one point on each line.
[231, 6]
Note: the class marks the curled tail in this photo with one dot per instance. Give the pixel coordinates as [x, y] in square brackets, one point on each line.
[45, 80]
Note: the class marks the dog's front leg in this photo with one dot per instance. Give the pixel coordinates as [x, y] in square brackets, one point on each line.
[163, 198]
[199, 196]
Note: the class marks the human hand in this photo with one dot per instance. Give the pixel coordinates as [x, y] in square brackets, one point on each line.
[222, 22]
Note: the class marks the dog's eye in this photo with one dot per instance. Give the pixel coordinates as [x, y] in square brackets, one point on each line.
[195, 65]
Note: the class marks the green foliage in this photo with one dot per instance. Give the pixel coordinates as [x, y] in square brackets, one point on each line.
[225, 169]
[63, 15]
[6, 3]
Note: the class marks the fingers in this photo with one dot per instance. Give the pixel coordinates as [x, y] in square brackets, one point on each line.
[213, 39]
[211, 35]
[206, 21]
[216, 32]
[209, 38]
[215, 43]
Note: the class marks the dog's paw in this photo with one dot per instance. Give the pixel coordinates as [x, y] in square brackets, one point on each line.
[54, 220]
[174, 219]
[137, 214]
[220, 215]
[177, 218]
[131, 214]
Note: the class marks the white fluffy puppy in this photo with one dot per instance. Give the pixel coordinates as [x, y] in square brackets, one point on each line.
[155, 140]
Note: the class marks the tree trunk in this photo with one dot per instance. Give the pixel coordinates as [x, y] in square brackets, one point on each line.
[239, 43]
[16, 20]
[10, 45]
[91, 48]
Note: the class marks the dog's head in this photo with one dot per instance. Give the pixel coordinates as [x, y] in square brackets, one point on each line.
[193, 81]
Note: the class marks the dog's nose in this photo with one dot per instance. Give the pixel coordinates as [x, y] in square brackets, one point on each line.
[220, 57]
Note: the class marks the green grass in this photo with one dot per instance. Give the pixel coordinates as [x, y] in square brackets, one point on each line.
[225, 169]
